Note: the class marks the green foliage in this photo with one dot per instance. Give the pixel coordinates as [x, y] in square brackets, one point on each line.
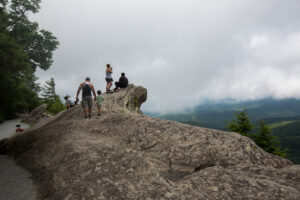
[289, 136]
[268, 142]
[23, 48]
[14, 70]
[56, 106]
[49, 91]
[38, 44]
[3, 2]
[20, 7]
[241, 124]
[282, 123]
[262, 137]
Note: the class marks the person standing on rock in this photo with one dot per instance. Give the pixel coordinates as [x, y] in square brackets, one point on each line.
[87, 100]
[108, 78]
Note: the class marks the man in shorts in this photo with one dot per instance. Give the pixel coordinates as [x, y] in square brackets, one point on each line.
[87, 100]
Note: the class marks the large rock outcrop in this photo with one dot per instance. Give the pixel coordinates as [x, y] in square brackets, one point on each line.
[126, 155]
[36, 114]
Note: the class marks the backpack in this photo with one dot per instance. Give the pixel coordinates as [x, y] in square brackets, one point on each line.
[87, 90]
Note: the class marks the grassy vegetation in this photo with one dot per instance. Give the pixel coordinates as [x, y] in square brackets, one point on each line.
[281, 123]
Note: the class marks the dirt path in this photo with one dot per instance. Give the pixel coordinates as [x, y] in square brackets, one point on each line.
[15, 182]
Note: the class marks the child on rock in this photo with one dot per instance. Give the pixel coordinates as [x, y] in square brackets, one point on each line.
[99, 99]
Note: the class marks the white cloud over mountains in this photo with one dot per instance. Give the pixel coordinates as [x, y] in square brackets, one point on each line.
[182, 51]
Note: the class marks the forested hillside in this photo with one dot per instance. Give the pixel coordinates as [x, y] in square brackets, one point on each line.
[288, 132]
[283, 116]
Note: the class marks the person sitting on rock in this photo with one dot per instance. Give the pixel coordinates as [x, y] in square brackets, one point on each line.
[69, 102]
[123, 82]
[108, 78]
[87, 101]
[99, 101]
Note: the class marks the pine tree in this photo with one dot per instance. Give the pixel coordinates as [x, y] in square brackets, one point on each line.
[266, 141]
[54, 104]
[49, 94]
[241, 124]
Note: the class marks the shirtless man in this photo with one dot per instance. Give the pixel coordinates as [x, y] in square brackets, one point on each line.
[87, 101]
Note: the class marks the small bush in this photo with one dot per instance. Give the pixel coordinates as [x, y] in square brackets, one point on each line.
[55, 107]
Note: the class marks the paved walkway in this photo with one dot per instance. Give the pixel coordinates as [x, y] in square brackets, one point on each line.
[15, 182]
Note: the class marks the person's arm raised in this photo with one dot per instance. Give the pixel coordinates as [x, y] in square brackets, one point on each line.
[109, 70]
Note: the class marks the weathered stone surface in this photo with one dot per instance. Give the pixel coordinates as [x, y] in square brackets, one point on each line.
[36, 114]
[126, 155]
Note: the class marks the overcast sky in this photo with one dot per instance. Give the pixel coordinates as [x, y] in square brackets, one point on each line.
[183, 51]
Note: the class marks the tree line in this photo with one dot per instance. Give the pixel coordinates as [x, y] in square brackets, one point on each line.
[262, 136]
[23, 48]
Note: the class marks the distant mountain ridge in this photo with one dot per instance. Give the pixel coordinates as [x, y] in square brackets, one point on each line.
[285, 113]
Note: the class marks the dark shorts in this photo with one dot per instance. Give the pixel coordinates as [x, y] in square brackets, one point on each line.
[120, 85]
[109, 80]
[87, 101]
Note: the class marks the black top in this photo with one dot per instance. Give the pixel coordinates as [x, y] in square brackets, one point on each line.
[87, 90]
[123, 81]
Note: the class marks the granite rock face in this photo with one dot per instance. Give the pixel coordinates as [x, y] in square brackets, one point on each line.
[36, 114]
[125, 155]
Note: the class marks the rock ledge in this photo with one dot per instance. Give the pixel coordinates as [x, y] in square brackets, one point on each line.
[126, 155]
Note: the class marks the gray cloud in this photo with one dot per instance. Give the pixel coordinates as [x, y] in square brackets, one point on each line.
[182, 51]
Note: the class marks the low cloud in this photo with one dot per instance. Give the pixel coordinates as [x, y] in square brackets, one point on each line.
[182, 51]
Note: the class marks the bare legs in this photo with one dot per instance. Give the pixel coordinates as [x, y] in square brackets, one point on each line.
[108, 85]
[99, 110]
[87, 111]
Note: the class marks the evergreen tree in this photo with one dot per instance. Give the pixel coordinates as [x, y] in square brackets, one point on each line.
[49, 91]
[266, 141]
[241, 124]
[54, 104]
